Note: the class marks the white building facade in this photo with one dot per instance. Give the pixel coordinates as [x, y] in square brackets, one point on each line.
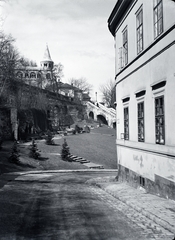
[144, 33]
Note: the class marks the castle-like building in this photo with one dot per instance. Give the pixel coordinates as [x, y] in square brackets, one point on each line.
[43, 75]
[37, 76]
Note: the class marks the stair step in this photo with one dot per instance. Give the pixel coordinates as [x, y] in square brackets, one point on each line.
[74, 156]
[94, 166]
[98, 167]
[77, 160]
[84, 161]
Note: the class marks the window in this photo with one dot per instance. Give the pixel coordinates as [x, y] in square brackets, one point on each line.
[32, 75]
[126, 123]
[158, 17]
[19, 74]
[139, 30]
[142, 181]
[140, 108]
[120, 58]
[125, 47]
[159, 120]
[26, 75]
[48, 75]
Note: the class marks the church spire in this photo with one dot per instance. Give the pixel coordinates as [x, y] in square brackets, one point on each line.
[47, 56]
[47, 63]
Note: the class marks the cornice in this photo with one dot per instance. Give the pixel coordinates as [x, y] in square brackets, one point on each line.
[118, 13]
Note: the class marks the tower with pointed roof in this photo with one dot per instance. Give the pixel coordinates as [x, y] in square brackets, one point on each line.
[47, 63]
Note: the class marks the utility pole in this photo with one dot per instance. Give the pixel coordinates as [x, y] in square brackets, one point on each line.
[96, 96]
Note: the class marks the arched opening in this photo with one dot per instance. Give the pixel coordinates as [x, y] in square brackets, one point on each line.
[102, 119]
[57, 109]
[32, 75]
[65, 110]
[114, 125]
[91, 115]
[48, 76]
[26, 75]
[57, 112]
[19, 74]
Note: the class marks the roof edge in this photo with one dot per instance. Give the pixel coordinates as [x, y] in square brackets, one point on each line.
[117, 13]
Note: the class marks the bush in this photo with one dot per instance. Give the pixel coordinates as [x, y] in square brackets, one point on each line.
[78, 129]
[65, 151]
[34, 152]
[49, 138]
[14, 157]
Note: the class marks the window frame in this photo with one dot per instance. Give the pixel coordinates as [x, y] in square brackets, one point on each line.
[139, 28]
[141, 118]
[158, 20]
[125, 46]
[120, 58]
[126, 122]
[159, 117]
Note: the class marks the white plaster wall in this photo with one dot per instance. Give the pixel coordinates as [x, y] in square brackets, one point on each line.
[147, 161]
[160, 68]
[148, 26]
[147, 164]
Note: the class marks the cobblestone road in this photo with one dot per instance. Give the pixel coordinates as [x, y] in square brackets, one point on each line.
[152, 217]
[150, 229]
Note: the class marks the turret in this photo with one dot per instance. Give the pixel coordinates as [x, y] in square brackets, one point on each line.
[47, 63]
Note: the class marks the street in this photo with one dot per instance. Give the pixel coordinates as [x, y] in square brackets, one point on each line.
[57, 199]
[62, 206]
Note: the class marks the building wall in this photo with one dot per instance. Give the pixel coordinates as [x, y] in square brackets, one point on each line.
[129, 21]
[155, 64]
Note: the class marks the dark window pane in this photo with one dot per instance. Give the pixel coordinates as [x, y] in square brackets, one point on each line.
[140, 107]
[159, 120]
[158, 18]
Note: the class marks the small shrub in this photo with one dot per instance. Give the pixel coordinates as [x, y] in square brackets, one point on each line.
[49, 138]
[14, 157]
[34, 152]
[65, 151]
[78, 129]
[87, 129]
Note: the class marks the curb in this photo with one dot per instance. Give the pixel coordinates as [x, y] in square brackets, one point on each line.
[12, 175]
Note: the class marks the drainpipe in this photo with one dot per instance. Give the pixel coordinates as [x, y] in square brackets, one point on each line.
[115, 104]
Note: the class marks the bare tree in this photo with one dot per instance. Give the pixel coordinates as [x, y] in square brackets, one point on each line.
[108, 93]
[26, 62]
[57, 75]
[81, 83]
[9, 57]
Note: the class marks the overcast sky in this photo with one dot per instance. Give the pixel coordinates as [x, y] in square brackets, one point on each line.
[76, 32]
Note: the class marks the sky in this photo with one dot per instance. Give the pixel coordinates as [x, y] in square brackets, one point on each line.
[76, 32]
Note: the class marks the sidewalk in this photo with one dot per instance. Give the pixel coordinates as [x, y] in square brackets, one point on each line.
[159, 210]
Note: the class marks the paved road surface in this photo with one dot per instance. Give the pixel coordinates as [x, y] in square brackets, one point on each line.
[62, 206]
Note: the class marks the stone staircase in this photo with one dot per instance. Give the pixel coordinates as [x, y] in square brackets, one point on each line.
[85, 162]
